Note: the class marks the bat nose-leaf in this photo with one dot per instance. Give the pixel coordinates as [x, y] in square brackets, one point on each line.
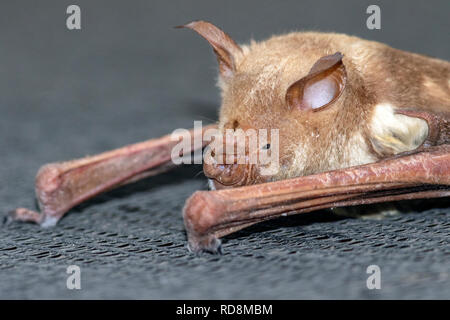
[226, 174]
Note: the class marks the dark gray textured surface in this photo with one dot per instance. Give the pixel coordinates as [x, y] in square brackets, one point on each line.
[128, 76]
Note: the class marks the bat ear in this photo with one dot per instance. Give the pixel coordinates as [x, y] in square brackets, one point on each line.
[226, 50]
[322, 86]
[392, 132]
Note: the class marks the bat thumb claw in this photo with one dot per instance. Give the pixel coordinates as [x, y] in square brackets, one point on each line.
[209, 244]
[7, 219]
[23, 215]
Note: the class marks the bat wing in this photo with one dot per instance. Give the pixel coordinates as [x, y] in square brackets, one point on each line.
[62, 186]
[418, 174]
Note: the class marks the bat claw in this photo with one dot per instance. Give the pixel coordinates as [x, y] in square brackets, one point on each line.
[48, 222]
[7, 219]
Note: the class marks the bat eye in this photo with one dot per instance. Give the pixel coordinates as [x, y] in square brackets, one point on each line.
[232, 124]
[266, 147]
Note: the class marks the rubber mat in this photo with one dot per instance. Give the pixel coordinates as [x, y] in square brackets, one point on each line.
[128, 76]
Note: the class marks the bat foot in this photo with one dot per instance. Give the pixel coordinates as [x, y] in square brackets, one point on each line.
[209, 244]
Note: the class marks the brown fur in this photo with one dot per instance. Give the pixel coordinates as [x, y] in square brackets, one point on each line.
[338, 136]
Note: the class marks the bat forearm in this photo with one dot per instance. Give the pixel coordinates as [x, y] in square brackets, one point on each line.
[209, 215]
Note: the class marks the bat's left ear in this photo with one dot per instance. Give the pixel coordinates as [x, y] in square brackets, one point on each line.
[322, 86]
[227, 51]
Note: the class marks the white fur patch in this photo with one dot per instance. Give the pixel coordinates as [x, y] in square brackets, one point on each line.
[393, 133]
[358, 153]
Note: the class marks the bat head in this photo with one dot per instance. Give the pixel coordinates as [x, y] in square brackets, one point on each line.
[311, 101]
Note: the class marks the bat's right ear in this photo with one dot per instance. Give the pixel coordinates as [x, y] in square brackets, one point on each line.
[226, 50]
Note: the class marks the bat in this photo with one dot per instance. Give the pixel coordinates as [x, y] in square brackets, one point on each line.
[357, 122]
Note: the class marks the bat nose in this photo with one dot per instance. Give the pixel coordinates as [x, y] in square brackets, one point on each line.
[230, 171]
[226, 174]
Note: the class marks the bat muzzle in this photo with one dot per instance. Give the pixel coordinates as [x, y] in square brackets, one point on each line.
[235, 172]
[228, 175]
